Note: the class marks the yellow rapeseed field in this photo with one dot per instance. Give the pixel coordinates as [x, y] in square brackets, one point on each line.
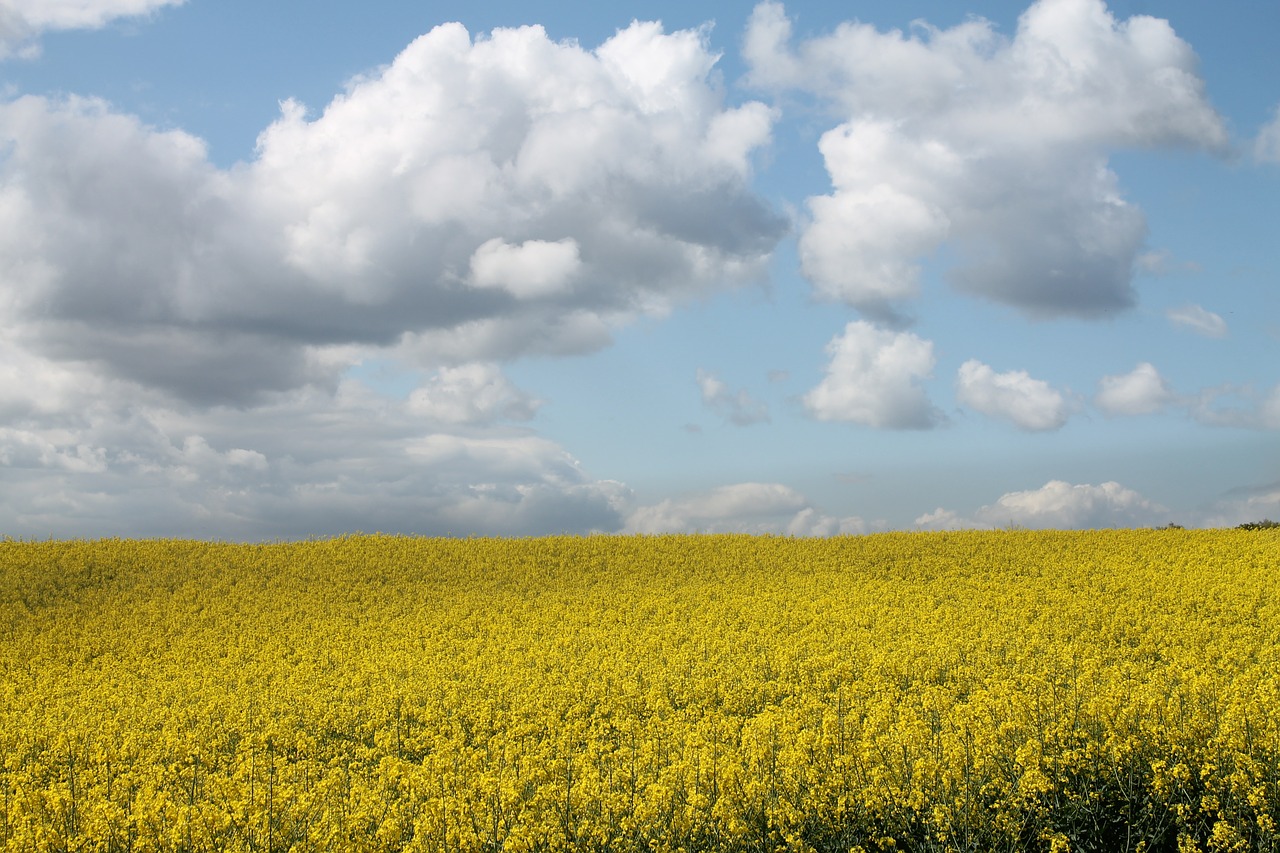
[1012, 690]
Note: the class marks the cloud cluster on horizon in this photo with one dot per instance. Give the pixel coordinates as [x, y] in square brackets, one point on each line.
[1056, 504]
[761, 508]
[1062, 505]
[776, 509]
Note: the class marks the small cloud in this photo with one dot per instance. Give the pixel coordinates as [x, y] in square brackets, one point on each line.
[811, 522]
[779, 375]
[1198, 320]
[1141, 391]
[1239, 407]
[739, 408]
[873, 378]
[851, 477]
[1154, 263]
[29, 449]
[471, 394]
[1266, 147]
[945, 519]
[1030, 404]
[1161, 262]
[22, 21]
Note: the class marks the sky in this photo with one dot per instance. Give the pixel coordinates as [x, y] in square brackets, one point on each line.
[299, 269]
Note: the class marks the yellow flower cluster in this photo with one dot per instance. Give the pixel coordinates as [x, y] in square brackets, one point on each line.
[1107, 690]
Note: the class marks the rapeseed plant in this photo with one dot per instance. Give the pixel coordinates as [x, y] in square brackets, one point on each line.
[1013, 690]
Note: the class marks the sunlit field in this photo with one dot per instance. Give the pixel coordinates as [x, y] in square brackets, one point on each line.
[1013, 690]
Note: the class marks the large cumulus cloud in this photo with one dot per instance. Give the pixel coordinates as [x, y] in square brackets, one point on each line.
[178, 338]
[995, 146]
[511, 184]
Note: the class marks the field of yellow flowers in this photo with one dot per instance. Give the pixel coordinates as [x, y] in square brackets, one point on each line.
[1012, 690]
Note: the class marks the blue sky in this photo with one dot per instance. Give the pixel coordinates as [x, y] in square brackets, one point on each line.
[286, 270]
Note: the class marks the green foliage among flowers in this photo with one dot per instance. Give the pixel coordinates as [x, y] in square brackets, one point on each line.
[1009, 690]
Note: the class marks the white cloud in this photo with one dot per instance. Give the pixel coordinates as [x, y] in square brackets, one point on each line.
[1269, 409]
[873, 378]
[1154, 263]
[1198, 320]
[864, 240]
[994, 145]
[1266, 147]
[197, 462]
[758, 508]
[1239, 407]
[174, 336]
[738, 408]
[476, 199]
[812, 522]
[1161, 262]
[471, 394]
[22, 21]
[28, 449]
[1057, 505]
[533, 269]
[727, 508]
[945, 519]
[733, 135]
[34, 389]
[1030, 404]
[518, 139]
[80, 14]
[1141, 391]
